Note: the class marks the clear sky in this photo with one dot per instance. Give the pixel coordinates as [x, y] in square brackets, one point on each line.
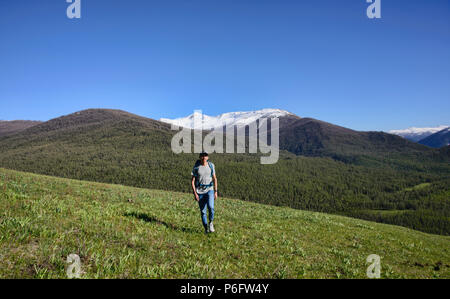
[164, 58]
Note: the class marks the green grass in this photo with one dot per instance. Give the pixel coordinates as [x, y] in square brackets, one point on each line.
[126, 232]
[418, 187]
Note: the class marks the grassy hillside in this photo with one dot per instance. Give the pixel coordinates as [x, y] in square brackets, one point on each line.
[114, 146]
[126, 232]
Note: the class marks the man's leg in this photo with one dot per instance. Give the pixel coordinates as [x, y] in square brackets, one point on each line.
[211, 210]
[202, 203]
[211, 205]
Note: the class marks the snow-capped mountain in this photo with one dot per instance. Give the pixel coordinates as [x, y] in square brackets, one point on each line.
[437, 140]
[231, 118]
[416, 134]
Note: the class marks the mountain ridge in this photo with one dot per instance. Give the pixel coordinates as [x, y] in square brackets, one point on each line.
[14, 126]
[313, 137]
[301, 136]
[438, 139]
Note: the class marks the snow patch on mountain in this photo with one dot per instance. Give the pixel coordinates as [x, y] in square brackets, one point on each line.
[416, 134]
[442, 132]
[239, 118]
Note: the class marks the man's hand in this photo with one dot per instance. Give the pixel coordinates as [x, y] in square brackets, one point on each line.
[215, 195]
[196, 196]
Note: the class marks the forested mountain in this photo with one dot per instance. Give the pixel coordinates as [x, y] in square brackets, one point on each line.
[311, 137]
[326, 168]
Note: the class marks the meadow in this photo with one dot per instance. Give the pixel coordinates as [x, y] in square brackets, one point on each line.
[129, 232]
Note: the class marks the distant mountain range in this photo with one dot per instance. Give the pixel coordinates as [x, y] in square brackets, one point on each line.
[417, 134]
[437, 140]
[311, 137]
[300, 136]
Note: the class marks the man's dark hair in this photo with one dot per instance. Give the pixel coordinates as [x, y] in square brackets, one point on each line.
[203, 154]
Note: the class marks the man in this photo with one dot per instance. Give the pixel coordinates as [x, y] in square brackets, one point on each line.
[204, 186]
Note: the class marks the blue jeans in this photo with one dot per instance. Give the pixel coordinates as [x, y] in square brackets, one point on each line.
[206, 200]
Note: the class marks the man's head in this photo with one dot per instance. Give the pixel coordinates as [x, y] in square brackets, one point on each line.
[203, 157]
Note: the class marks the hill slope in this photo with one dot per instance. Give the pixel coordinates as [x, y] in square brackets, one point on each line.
[312, 137]
[11, 127]
[125, 232]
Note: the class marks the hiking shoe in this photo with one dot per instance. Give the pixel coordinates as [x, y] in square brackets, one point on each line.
[211, 227]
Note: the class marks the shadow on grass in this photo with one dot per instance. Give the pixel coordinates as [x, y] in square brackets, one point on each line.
[151, 219]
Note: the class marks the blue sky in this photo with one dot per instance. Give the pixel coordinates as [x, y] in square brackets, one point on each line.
[164, 58]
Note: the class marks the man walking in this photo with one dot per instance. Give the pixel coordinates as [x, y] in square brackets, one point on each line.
[204, 186]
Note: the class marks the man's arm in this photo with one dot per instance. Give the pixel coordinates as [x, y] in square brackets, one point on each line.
[215, 186]
[193, 188]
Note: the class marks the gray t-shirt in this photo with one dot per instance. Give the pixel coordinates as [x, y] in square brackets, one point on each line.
[204, 177]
